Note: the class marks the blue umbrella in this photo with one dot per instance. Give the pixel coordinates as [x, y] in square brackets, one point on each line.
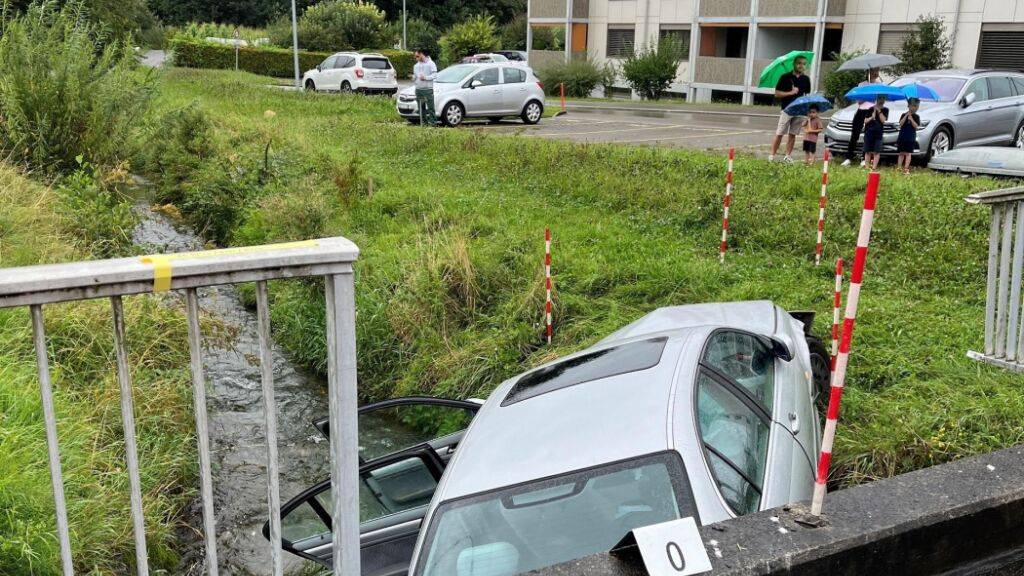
[801, 106]
[869, 92]
[919, 91]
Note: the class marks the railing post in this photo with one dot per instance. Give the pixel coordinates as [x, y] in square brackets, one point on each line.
[270, 414]
[990, 287]
[341, 379]
[195, 345]
[52, 447]
[1004, 280]
[124, 380]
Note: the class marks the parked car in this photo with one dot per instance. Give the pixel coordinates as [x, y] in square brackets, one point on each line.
[513, 55]
[705, 411]
[484, 59]
[976, 108]
[492, 91]
[353, 72]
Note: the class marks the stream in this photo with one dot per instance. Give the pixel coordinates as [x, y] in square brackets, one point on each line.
[236, 421]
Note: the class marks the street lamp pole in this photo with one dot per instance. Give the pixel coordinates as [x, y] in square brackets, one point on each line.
[295, 46]
[405, 42]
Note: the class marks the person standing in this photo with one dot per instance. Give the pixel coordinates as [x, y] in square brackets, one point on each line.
[812, 127]
[790, 87]
[910, 122]
[423, 74]
[874, 131]
[858, 119]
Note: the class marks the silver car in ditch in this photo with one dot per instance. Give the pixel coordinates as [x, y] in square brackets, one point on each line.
[975, 108]
[704, 410]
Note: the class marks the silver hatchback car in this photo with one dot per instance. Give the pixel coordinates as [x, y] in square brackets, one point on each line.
[975, 108]
[705, 411]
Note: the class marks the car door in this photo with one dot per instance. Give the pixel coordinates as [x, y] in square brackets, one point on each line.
[394, 493]
[343, 70]
[514, 90]
[322, 76]
[973, 118]
[483, 93]
[1004, 106]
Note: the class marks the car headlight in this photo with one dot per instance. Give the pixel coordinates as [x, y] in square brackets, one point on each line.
[924, 124]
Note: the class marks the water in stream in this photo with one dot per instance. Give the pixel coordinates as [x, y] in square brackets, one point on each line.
[236, 420]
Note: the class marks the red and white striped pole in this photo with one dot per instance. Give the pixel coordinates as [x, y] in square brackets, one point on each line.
[725, 209]
[821, 208]
[836, 302]
[839, 375]
[561, 88]
[547, 282]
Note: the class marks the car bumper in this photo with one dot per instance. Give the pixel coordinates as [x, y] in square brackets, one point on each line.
[838, 142]
[408, 109]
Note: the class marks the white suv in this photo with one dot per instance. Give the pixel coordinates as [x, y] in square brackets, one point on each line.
[353, 72]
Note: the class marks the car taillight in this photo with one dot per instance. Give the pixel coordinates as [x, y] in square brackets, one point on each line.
[359, 72]
[540, 85]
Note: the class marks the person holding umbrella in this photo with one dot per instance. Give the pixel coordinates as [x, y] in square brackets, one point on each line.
[788, 88]
[858, 119]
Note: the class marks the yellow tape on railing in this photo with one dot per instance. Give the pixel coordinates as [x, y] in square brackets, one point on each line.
[162, 262]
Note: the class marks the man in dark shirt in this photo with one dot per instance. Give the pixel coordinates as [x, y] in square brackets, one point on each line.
[790, 87]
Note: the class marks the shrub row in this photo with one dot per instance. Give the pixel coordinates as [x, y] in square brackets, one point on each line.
[266, 61]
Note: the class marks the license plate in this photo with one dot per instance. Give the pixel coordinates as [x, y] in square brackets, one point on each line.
[405, 108]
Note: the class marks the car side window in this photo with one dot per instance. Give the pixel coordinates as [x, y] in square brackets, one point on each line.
[1019, 84]
[735, 438]
[328, 63]
[999, 87]
[745, 360]
[980, 90]
[345, 62]
[489, 77]
[514, 76]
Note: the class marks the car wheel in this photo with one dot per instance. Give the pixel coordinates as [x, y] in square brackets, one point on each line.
[532, 112]
[453, 114]
[941, 142]
[821, 369]
[1019, 140]
[310, 87]
[346, 87]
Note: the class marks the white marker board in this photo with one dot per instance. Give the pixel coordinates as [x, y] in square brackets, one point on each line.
[672, 548]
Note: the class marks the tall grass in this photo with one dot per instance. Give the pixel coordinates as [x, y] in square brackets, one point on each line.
[88, 415]
[449, 277]
[66, 89]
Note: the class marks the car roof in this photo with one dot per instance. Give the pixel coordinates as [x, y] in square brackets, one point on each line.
[605, 420]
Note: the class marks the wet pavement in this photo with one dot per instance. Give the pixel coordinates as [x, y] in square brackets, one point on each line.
[236, 420]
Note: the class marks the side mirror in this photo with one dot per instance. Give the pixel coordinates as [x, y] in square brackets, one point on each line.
[778, 348]
[969, 99]
[318, 68]
[476, 83]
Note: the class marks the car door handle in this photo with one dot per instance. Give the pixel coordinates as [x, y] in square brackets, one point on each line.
[794, 422]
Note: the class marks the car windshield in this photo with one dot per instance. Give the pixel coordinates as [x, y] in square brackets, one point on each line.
[555, 520]
[947, 88]
[454, 74]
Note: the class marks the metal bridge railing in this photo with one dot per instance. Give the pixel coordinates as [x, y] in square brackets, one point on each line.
[1004, 331]
[332, 258]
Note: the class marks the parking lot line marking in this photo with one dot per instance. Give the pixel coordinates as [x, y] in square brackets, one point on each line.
[659, 127]
[691, 136]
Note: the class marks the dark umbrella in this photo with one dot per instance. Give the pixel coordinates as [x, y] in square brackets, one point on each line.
[802, 105]
[869, 61]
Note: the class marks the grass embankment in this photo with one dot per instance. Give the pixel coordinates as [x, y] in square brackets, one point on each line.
[35, 228]
[449, 286]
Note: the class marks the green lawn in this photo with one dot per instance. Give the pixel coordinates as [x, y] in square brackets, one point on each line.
[449, 284]
[88, 411]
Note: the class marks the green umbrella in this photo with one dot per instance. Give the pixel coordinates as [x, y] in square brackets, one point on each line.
[780, 66]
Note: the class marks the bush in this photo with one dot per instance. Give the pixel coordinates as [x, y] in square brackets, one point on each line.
[64, 93]
[267, 61]
[101, 221]
[513, 34]
[836, 84]
[204, 30]
[402, 60]
[580, 76]
[651, 70]
[420, 34]
[474, 36]
[926, 47]
[333, 25]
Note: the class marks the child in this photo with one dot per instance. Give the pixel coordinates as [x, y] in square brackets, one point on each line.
[907, 141]
[812, 127]
[874, 129]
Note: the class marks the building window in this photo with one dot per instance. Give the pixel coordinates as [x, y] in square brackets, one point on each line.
[620, 41]
[1001, 46]
[891, 38]
[680, 34]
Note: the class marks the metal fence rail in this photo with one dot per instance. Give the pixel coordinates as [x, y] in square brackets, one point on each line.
[1004, 331]
[332, 258]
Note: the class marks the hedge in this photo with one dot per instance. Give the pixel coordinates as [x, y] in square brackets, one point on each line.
[266, 61]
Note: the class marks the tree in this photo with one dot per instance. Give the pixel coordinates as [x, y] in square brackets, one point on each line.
[421, 34]
[336, 25]
[926, 47]
[651, 70]
[474, 36]
[836, 84]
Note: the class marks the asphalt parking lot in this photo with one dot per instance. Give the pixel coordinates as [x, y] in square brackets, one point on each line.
[702, 130]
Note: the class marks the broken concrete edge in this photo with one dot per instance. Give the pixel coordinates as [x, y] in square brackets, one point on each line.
[925, 522]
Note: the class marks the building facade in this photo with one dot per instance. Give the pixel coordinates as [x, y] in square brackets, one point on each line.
[729, 42]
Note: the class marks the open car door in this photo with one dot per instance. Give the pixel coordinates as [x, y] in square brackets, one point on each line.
[404, 446]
